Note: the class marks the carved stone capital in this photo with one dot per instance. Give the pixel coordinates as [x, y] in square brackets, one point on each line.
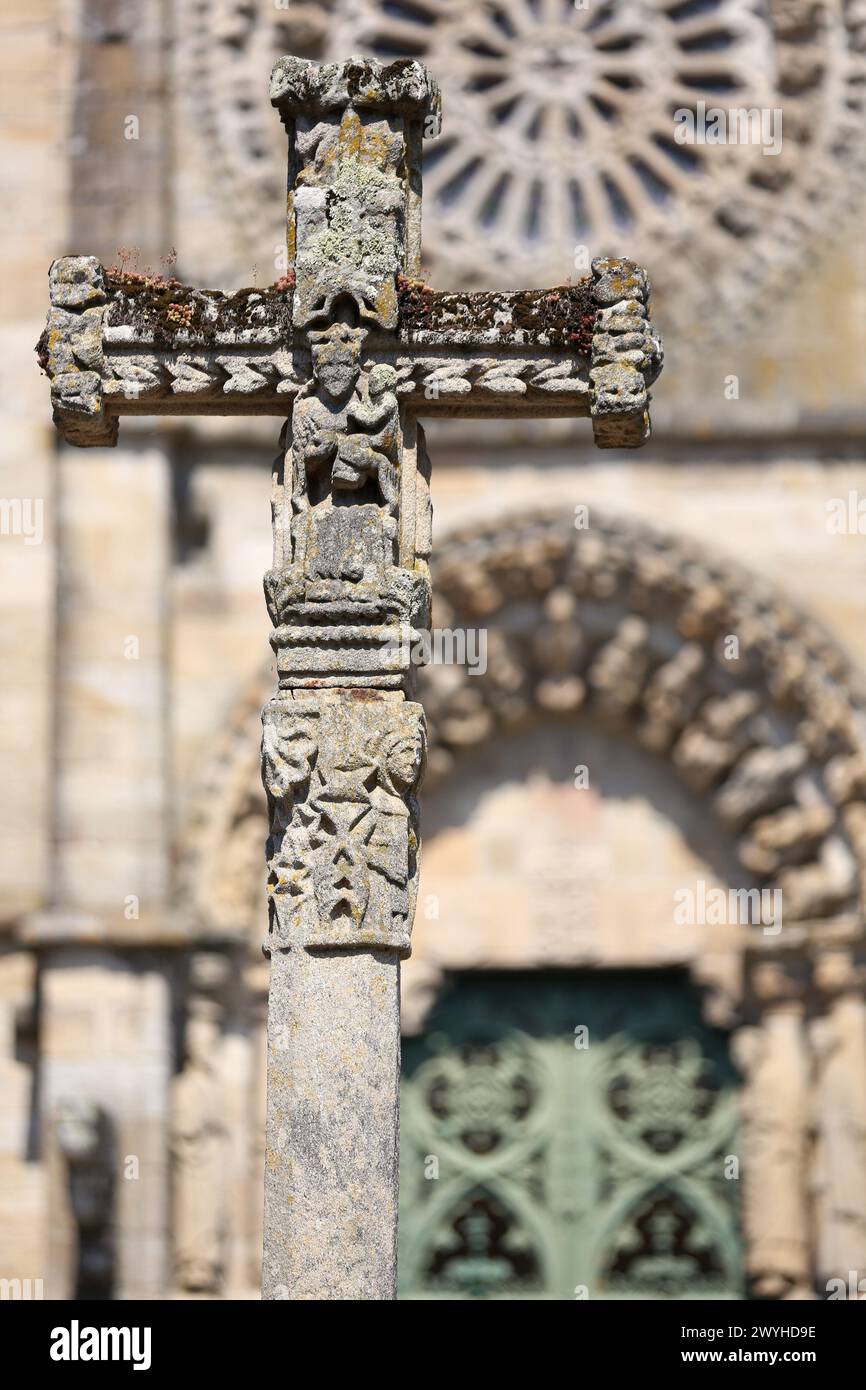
[402, 88]
[341, 774]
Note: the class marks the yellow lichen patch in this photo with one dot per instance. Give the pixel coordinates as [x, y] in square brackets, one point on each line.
[351, 135]
[377, 145]
[386, 303]
[290, 227]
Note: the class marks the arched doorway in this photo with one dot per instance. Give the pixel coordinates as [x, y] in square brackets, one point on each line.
[624, 630]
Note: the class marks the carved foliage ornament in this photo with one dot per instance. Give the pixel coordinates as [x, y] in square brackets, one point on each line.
[118, 343]
[343, 851]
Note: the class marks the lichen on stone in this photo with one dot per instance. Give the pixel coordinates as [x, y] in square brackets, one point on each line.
[166, 311]
[561, 317]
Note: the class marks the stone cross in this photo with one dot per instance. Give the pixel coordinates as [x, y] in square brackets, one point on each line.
[352, 347]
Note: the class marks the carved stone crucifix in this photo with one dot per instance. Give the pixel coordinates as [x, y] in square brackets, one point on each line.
[352, 347]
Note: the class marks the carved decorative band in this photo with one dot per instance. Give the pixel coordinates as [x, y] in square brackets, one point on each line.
[124, 345]
[314, 656]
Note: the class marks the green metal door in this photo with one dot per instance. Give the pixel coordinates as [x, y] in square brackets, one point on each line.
[569, 1136]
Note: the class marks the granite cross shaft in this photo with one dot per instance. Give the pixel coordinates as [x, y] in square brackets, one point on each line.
[352, 347]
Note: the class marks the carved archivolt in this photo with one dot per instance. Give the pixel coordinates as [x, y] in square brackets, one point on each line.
[749, 701]
[594, 90]
[629, 626]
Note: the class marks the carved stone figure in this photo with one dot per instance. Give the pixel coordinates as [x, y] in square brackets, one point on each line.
[84, 1137]
[373, 451]
[777, 1119]
[199, 1158]
[343, 437]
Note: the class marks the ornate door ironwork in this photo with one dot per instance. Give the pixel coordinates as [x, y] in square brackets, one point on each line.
[568, 1136]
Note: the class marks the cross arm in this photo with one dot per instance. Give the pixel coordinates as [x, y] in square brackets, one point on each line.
[127, 344]
[573, 350]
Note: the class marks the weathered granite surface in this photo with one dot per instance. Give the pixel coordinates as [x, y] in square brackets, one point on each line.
[331, 1155]
[126, 344]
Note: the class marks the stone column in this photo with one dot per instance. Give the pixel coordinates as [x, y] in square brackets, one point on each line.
[111, 818]
[340, 773]
[776, 1136]
[840, 1103]
[331, 1174]
[105, 1011]
[343, 747]
[258, 1112]
[119, 134]
[36, 88]
[110, 860]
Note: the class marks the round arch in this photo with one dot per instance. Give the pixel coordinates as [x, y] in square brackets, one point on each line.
[701, 662]
[749, 701]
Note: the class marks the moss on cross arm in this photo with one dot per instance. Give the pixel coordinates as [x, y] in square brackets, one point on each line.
[160, 308]
[561, 317]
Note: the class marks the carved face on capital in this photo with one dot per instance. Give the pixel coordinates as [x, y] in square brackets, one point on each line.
[402, 756]
[336, 355]
[299, 751]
